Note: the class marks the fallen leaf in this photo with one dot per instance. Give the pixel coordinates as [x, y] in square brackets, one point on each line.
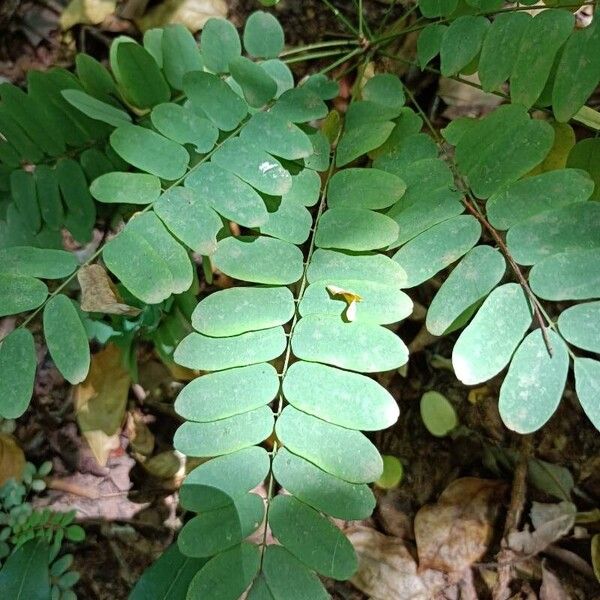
[456, 531]
[99, 294]
[551, 522]
[12, 459]
[141, 438]
[86, 12]
[388, 571]
[551, 587]
[191, 13]
[100, 401]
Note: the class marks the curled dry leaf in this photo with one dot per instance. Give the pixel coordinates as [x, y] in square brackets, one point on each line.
[551, 522]
[388, 571]
[86, 12]
[191, 13]
[12, 459]
[100, 402]
[99, 294]
[456, 531]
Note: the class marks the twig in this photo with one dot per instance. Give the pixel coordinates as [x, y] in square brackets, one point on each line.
[513, 518]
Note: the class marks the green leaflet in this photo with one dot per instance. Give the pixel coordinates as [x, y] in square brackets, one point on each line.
[257, 85]
[501, 148]
[126, 188]
[332, 265]
[461, 43]
[189, 217]
[228, 393]
[355, 346]
[278, 136]
[578, 72]
[501, 47]
[288, 579]
[364, 188]
[95, 78]
[259, 260]
[245, 159]
[18, 362]
[319, 489]
[228, 195]
[379, 303]
[80, 209]
[227, 575]
[241, 309]
[46, 182]
[580, 326]
[25, 574]
[321, 85]
[355, 229]
[216, 530]
[342, 452]
[443, 244]
[573, 275]
[319, 160]
[168, 578]
[353, 401]
[260, 590]
[216, 482]
[486, 346]
[19, 293]
[300, 105]
[290, 221]
[438, 414]
[183, 126]
[360, 139]
[66, 339]
[263, 35]
[138, 75]
[472, 279]
[22, 187]
[296, 526]
[575, 227]
[145, 241]
[385, 89]
[586, 155]
[280, 73]
[541, 40]
[198, 351]
[226, 435]
[96, 109]
[215, 99]
[533, 195]
[437, 8]
[180, 55]
[587, 386]
[534, 383]
[35, 262]
[150, 152]
[220, 44]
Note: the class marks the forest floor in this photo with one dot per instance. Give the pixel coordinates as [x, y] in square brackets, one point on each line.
[129, 506]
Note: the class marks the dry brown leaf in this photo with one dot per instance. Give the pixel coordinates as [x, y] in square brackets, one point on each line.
[12, 459]
[191, 13]
[551, 522]
[100, 402]
[86, 12]
[99, 294]
[456, 531]
[388, 571]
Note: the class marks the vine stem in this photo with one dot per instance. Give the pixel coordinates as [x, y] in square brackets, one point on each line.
[343, 20]
[317, 46]
[471, 205]
[288, 352]
[146, 208]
